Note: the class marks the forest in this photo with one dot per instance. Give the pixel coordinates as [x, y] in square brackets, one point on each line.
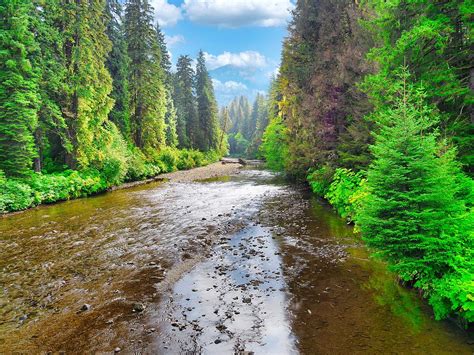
[349, 211]
[373, 107]
[88, 100]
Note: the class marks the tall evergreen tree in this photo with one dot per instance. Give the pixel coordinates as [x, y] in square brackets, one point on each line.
[207, 107]
[415, 212]
[86, 103]
[51, 135]
[18, 89]
[187, 120]
[118, 66]
[434, 40]
[146, 80]
[170, 117]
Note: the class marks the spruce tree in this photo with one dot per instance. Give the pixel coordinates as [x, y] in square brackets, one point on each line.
[207, 107]
[170, 117]
[86, 100]
[118, 66]
[187, 120]
[415, 212]
[146, 78]
[51, 135]
[18, 89]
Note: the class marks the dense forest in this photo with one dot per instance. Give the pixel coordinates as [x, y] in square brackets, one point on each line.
[373, 106]
[88, 100]
[244, 124]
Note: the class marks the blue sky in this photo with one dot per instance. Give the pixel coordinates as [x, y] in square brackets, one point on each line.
[241, 39]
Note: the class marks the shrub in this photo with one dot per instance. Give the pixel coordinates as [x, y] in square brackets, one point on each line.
[274, 145]
[15, 195]
[345, 185]
[320, 180]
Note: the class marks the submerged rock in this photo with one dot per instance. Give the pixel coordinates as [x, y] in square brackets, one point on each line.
[138, 307]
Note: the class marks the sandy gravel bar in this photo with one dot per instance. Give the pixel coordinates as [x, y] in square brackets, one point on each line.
[206, 172]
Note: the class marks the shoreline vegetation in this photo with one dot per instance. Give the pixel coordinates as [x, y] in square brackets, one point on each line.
[383, 131]
[42, 189]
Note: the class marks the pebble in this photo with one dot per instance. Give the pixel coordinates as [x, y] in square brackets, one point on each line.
[85, 307]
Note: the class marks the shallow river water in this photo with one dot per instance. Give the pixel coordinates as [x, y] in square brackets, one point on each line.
[240, 264]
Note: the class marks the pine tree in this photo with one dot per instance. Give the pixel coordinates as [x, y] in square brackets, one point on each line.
[170, 117]
[434, 40]
[207, 107]
[86, 101]
[51, 134]
[187, 120]
[415, 212]
[118, 66]
[146, 78]
[18, 89]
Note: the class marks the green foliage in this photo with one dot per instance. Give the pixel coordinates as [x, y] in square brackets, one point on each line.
[18, 89]
[320, 180]
[206, 108]
[342, 192]
[434, 40]
[275, 145]
[416, 212]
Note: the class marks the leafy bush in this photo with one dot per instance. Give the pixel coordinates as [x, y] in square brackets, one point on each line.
[15, 195]
[344, 186]
[274, 145]
[320, 180]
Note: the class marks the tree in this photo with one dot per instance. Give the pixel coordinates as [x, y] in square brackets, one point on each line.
[18, 89]
[434, 40]
[86, 101]
[170, 117]
[259, 123]
[187, 120]
[51, 134]
[146, 78]
[208, 137]
[118, 66]
[323, 59]
[415, 213]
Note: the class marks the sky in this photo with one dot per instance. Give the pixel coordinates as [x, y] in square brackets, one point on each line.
[241, 39]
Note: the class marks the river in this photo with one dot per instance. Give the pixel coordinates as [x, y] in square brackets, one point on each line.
[239, 264]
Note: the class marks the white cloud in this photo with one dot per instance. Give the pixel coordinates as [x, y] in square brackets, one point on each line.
[237, 13]
[173, 40]
[243, 60]
[228, 87]
[166, 14]
[226, 91]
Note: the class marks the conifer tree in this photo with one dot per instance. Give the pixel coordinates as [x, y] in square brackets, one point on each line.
[187, 120]
[170, 117]
[51, 135]
[146, 79]
[416, 213]
[86, 103]
[118, 66]
[207, 107]
[18, 89]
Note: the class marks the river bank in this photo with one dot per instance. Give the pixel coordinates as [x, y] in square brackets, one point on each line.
[211, 170]
[144, 270]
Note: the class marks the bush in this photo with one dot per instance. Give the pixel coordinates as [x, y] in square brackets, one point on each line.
[344, 187]
[15, 195]
[274, 145]
[320, 180]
